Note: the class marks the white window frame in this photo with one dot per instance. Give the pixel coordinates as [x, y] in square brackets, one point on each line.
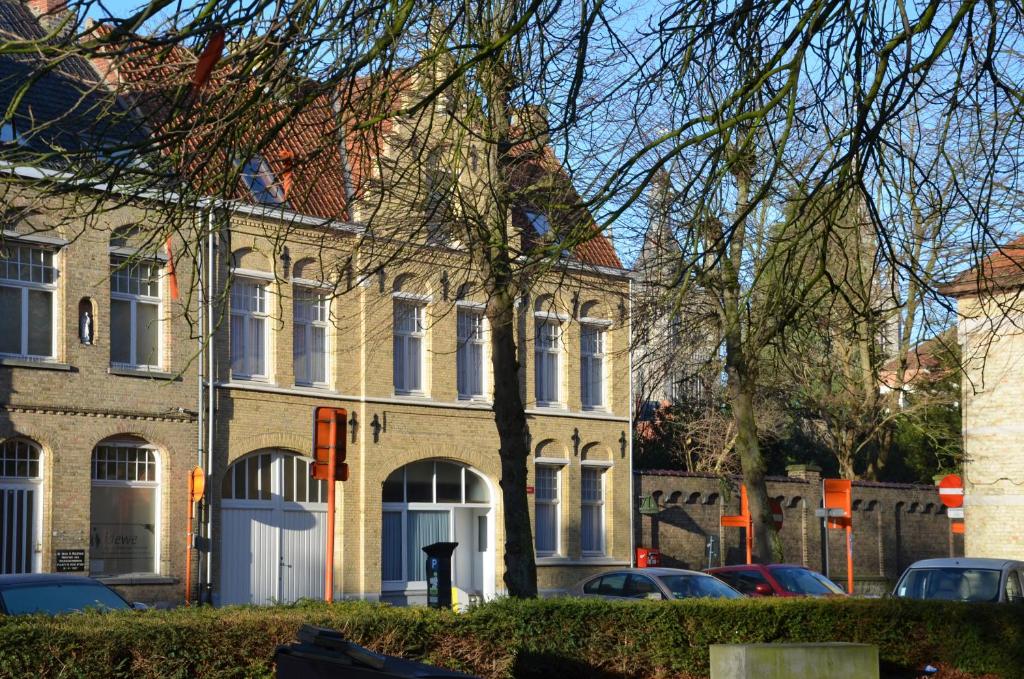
[121, 263]
[555, 502]
[251, 316]
[114, 483]
[543, 353]
[24, 287]
[587, 357]
[599, 505]
[307, 326]
[401, 341]
[461, 351]
[405, 507]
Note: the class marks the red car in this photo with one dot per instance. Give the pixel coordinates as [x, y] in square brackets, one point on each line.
[776, 580]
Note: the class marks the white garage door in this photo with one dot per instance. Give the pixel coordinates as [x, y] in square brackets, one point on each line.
[273, 530]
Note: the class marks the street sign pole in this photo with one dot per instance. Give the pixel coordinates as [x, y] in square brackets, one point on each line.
[329, 453]
[331, 469]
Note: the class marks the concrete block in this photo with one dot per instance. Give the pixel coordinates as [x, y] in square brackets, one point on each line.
[792, 661]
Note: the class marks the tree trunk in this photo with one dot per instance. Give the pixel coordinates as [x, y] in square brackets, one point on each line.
[510, 420]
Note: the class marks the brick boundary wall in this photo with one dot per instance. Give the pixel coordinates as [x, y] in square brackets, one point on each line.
[894, 524]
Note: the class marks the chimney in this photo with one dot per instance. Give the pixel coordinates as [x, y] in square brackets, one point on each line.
[533, 119]
[49, 12]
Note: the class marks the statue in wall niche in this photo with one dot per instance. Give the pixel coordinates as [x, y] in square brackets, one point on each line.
[85, 327]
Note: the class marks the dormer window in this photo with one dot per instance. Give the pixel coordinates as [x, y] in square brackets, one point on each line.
[538, 221]
[260, 181]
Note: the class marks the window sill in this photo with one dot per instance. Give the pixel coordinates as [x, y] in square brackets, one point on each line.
[475, 400]
[137, 372]
[545, 405]
[552, 560]
[137, 579]
[603, 410]
[413, 395]
[583, 561]
[30, 363]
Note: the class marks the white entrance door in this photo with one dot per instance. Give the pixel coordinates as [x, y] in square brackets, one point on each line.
[273, 530]
[20, 506]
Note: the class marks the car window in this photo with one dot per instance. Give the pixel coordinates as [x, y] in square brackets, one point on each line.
[641, 586]
[54, 598]
[687, 586]
[612, 584]
[804, 581]
[747, 581]
[1014, 591]
[950, 584]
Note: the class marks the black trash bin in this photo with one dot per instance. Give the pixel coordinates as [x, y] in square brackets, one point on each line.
[324, 654]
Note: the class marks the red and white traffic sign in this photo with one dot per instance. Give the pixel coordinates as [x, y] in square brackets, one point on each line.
[776, 508]
[951, 491]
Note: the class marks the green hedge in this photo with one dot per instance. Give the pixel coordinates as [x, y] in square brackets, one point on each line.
[547, 638]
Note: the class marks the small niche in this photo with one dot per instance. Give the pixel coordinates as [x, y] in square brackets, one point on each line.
[86, 321]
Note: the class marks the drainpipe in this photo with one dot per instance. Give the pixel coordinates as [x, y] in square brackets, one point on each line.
[210, 395]
[200, 410]
[629, 425]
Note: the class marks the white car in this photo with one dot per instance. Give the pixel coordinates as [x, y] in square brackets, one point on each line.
[991, 580]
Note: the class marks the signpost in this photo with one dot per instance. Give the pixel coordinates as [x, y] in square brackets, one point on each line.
[196, 488]
[837, 514]
[329, 450]
[743, 520]
[951, 494]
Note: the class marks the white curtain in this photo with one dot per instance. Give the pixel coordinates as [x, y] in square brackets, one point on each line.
[425, 528]
[318, 360]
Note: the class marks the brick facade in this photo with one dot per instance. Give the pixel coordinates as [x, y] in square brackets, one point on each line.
[893, 525]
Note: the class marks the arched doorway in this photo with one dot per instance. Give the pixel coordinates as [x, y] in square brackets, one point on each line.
[436, 501]
[273, 530]
[21, 474]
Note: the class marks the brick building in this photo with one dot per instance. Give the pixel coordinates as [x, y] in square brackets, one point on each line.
[991, 336]
[99, 427]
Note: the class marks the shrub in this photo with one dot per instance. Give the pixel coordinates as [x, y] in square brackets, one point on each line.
[546, 638]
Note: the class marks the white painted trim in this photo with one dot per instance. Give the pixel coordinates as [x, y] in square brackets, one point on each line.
[35, 238]
[464, 304]
[606, 464]
[121, 251]
[553, 461]
[601, 322]
[412, 297]
[551, 316]
[251, 273]
[309, 283]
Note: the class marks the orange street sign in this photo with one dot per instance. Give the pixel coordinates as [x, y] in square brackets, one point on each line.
[196, 484]
[838, 495]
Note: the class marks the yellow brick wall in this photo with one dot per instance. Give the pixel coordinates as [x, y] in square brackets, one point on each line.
[992, 340]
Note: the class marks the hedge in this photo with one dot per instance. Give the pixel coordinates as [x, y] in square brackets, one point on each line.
[545, 638]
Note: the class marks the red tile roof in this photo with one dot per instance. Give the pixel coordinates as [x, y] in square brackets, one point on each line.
[304, 141]
[1001, 270]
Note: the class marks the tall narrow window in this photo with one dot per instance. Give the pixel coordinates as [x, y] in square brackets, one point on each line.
[546, 499]
[123, 509]
[592, 366]
[248, 329]
[309, 347]
[546, 368]
[28, 286]
[469, 357]
[592, 515]
[134, 314]
[408, 347]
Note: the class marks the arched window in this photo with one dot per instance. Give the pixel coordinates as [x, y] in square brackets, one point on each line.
[20, 495]
[124, 515]
[425, 502]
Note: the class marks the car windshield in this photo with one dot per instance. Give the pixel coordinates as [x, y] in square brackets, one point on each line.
[951, 584]
[55, 598]
[803, 581]
[687, 586]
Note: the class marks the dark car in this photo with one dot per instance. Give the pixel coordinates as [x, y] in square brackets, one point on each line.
[654, 583]
[990, 580]
[776, 580]
[54, 594]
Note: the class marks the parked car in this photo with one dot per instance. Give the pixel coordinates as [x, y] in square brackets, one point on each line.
[993, 580]
[776, 580]
[654, 583]
[53, 594]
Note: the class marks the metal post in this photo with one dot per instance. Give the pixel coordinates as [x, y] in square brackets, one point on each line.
[331, 464]
[849, 558]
